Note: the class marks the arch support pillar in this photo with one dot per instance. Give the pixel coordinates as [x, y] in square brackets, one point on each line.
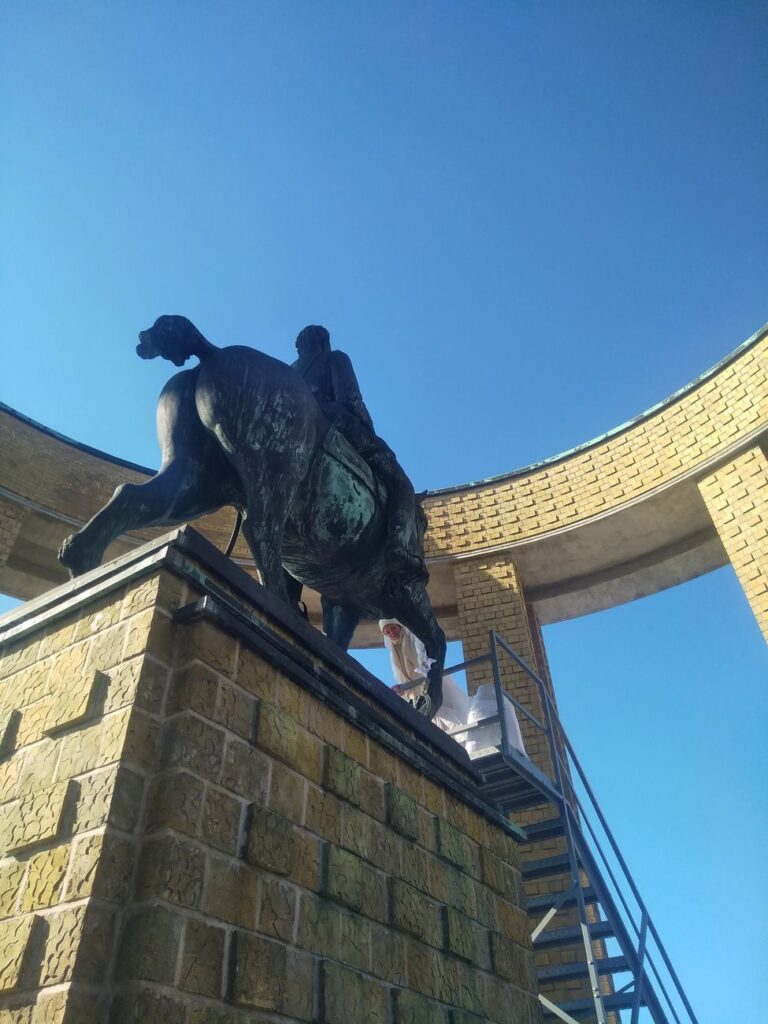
[736, 496]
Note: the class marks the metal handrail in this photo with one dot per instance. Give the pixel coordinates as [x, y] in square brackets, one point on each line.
[560, 771]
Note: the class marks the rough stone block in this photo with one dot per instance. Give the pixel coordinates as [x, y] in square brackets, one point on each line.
[385, 849]
[466, 939]
[82, 699]
[513, 962]
[11, 875]
[205, 642]
[170, 869]
[149, 945]
[220, 825]
[415, 867]
[232, 892]
[344, 992]
[307, 863]
[193, 688]
[175, 801]
[150, 631]
[416, 914]
[101, 866]
[324, 814]
[513, 922]
[280, 735]
[141, 1005]
[456, 847]
[39, 767]
[452, 887]
[500, 876]
[236, 711]
[319, 926]
[277, 913]
[14, 937]
[269, 976]
[37, 818]
[355, 941]
[349, 780]
[112, 794]
[245, 772]
[287, 793]
[203, 959]
[79, 945]
[70, 1004]
[356, 831]
[270, 841]
[349, 880]
[411, 1008]
[387, 955]
[192, 743]
[45, 878]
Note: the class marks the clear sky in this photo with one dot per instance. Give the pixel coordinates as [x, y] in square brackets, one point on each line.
[526, 223]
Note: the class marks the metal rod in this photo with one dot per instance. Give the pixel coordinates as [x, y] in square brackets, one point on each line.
[551, 913]
[557, 1011]
[499, 693]
[641, 974]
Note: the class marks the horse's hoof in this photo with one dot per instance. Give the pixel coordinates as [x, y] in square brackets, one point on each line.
[72, 557]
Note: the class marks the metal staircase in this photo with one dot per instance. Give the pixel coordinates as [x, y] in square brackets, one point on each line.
[619, 969]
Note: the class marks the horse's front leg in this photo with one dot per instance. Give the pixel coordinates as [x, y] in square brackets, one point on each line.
[412, 607]
[339, 622]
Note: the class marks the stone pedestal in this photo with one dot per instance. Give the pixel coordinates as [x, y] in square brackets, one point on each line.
[210, 814]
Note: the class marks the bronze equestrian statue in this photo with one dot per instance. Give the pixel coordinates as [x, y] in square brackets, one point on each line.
[324, 501]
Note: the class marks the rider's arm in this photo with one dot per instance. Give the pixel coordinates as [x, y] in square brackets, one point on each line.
[346, 390]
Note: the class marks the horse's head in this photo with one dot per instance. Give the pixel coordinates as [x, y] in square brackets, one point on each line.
[171, 337]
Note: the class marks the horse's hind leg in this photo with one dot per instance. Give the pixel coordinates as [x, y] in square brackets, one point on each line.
[339, 622]
[412, 607]
[267, 508]
[179, 492]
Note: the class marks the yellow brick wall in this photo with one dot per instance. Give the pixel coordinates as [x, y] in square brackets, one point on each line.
[663, 446]
[78, 728]
[737, 499]
[237, 846]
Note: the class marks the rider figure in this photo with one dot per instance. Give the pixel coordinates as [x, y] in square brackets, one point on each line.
[330, 376]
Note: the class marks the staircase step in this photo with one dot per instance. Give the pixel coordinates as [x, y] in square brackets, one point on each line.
[557, 864]
[566, 972]
[553, 937]
[582, 1007]
[543, 903]
[550, 828]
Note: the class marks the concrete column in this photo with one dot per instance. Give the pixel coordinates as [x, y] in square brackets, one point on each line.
[736, 496]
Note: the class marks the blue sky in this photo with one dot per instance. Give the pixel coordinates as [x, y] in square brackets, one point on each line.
[526, 223]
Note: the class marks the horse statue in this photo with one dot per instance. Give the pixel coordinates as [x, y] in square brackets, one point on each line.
[244, 429]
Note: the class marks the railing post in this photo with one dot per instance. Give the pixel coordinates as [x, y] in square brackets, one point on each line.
[499, 690]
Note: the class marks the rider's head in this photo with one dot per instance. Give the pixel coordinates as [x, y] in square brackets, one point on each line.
[313, 340]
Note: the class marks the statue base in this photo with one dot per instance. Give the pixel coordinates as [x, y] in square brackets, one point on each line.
[209, 813]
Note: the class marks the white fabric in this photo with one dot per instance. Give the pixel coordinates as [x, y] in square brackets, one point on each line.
[483, 705]
[410, 663]
[408, 655]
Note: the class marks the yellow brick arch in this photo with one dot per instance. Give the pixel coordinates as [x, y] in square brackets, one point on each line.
[619, 517]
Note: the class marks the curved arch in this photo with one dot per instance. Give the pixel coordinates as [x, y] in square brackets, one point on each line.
[611, 520]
